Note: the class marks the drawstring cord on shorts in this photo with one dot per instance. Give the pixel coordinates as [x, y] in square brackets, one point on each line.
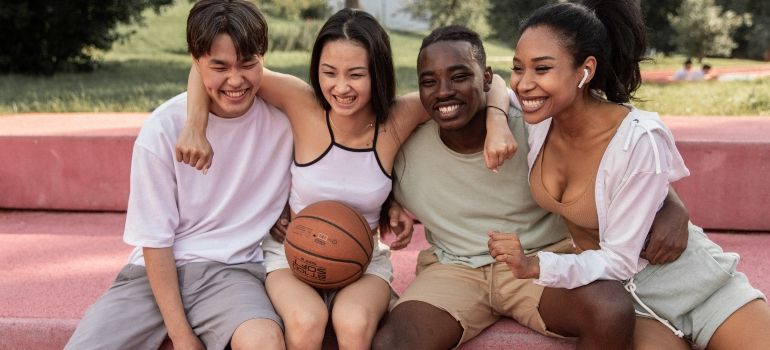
[631, 288]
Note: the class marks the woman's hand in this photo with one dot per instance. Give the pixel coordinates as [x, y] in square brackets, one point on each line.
[194, 149]
[506, 247]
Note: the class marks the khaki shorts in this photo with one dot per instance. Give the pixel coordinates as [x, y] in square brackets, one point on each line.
[478, 297]
[217, 298]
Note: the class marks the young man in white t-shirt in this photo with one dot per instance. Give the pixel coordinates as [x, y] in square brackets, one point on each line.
[196, 273]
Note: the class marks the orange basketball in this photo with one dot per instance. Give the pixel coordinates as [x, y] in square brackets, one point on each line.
[328, 245]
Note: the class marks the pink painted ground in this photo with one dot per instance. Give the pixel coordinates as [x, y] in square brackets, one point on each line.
[55, 264]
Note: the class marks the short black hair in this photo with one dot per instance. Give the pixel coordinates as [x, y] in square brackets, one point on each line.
[239, 19]
[457, 33]
[363, 28]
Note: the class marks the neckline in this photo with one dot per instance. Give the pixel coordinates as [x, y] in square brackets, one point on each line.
[352, 149]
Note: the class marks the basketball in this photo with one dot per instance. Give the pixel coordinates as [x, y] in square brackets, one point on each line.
[328, 245]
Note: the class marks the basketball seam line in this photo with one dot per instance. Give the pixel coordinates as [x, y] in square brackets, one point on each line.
[368, 257]
[324, 257]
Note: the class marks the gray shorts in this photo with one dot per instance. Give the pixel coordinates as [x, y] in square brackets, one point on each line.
[698, 291]
[217, 299]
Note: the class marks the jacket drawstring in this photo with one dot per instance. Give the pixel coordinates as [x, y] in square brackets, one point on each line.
[655, 152]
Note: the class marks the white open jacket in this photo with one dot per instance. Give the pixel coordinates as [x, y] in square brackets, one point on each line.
[633, 179]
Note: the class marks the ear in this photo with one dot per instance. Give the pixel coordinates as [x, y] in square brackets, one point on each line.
[488, 78]
[586, 71]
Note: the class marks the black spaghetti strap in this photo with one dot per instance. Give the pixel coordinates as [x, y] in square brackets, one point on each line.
[329, 126]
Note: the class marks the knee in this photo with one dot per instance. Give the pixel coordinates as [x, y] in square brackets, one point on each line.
[265, 335]
[306, 322]
[354, 327]
[385, 339]
[611, 313]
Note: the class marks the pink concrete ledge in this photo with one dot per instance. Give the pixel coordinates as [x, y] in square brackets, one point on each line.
[729, 159]
[82, 162]
[68, 161]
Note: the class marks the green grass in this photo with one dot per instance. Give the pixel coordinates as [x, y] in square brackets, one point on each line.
[152, 66]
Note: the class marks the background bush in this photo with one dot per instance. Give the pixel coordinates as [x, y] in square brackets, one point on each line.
[46, 36]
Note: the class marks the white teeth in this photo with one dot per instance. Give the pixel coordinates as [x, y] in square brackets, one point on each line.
[448, 109]
[533, 104]
[235, 94]
[344, 100]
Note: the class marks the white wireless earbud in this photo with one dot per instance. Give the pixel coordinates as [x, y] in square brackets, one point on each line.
[585, 77]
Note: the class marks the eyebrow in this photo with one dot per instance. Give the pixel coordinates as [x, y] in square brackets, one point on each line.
[452, 68]
[333, 67]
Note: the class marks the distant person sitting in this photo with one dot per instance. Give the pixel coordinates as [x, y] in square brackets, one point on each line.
[684, 72]
[703, 74]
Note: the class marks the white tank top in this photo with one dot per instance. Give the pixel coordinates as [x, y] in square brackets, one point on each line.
[349, 175]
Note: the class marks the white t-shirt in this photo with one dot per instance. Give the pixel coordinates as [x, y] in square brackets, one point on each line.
[224, 215]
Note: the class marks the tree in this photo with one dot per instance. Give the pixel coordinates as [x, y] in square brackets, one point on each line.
[469, 13]
[46, 36]
[703, 28]
[506, 15]
[660, 34]
[295, 9]
[353, 4]
[753, 38]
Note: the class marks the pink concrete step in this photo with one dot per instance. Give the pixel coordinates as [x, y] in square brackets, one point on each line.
[55, 264]
[82, 162]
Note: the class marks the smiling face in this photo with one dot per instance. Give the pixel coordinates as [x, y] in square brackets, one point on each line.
[344, 77]
[452, 83]
[544, 75]
[230, 82]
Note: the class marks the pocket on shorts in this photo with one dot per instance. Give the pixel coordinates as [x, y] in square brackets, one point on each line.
[424, 259]
[676, 288]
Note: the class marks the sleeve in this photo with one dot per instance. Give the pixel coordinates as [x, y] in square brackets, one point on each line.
[630, 213]
[153, 214]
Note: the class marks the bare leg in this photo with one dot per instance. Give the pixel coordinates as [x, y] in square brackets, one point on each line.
[416, 325]
[357, 311]
[303, 311]
[747, 328]
[258, 334]
[600, 314]
[650, 334]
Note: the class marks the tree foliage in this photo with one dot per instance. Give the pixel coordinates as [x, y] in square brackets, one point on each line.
[704, 28]
[295, 9]
[660, 33]
[506, 15]
[753, 39]
[469, 13]
[49, 35]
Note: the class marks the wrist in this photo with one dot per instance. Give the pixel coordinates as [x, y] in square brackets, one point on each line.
[499, 111]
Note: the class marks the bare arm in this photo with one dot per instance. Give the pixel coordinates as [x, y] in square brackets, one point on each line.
[669, 232]
[192, 147]
[162, 275]
[499, 145]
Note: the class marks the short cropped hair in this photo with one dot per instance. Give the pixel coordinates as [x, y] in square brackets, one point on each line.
[239, 19]
[458, 33]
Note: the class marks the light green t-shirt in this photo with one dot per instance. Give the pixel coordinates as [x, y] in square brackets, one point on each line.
[458, 199]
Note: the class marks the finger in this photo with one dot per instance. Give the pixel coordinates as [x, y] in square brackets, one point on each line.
[186, 158]
[488, 160]
[179, 154]
[200, 163]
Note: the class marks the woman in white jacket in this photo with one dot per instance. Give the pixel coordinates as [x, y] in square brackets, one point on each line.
[606, 167]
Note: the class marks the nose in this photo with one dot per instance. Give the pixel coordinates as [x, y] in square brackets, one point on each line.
[341, 85]
[445, 88]
[523, 82]
[235, 78]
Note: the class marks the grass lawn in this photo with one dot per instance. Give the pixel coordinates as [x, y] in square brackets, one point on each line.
[152, 66]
